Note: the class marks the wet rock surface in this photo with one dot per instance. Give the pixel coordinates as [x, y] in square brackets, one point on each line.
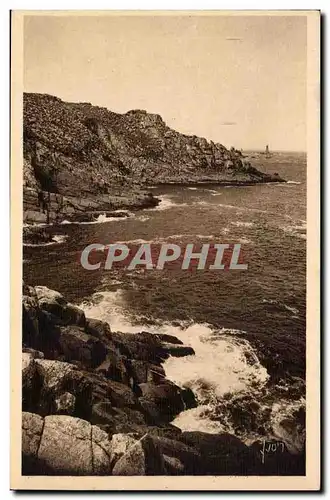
[105, 397]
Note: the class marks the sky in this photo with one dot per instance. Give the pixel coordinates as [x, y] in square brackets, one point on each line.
[237, 80]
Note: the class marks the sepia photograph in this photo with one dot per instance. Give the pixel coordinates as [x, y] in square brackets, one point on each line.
[165, 236]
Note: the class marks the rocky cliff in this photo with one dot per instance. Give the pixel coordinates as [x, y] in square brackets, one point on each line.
[104, 396]
[81, 158]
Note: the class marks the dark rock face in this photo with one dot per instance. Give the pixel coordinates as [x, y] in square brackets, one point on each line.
[166, 399]
[80, 159]
[105, 398]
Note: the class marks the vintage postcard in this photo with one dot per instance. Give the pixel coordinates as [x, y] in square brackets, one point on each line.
[165, 189]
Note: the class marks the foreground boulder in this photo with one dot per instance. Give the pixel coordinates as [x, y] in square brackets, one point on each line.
[142, 458]
[54, 303]
[30, 386]
[32, 427]
[30, 317]
[166, 400]
[145, 346]
[105, 398]
[63, 445]
[76, 345]
[223, 454]
[55, 378]
[179, 457]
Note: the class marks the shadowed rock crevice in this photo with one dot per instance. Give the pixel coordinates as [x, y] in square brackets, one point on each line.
[97, 402]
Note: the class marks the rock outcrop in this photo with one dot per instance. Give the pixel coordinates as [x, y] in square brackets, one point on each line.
[105, 398]
[82, 159]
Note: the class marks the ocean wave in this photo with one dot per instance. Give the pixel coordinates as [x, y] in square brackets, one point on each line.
[282, 305]
[292, 182]
[223, 363]
[285, 425]
[142, 218]
[223, 358]
[60, 238]
[242, 209]
[102, 218]
[245, 241]
[165, 239]
[167, 203]
[138, 241]
[225, 374]
[242, 224]
[36, 224]
[185, 236]
[57, 239]
[296, 230]
[205, 237]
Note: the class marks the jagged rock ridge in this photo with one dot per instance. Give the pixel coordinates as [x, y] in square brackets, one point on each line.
[84, 157]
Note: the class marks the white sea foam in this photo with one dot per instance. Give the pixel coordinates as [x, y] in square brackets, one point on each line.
[192, 188]
[223, 361]
[108, 306]
[297, 230]
[205, 237]
[102, 218]
[138, 241]
[245, 241]
[56, 240]
[166, 203]
[294, 310]
[60, 238]
[142, 218]
[165, 239]
[36, 224]
[224, 364]
[195, 420]
[242, 224]
[293, 182]
[39, 244]
[291, 309]
[282, 416]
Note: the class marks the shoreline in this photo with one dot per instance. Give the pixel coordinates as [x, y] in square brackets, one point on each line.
[83, 210]
[209, 182]
[82, 378]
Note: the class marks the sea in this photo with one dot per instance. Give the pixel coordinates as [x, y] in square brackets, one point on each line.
[247, 327]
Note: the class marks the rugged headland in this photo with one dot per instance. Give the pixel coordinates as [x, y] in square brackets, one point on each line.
[97, 402]
[82, 160]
